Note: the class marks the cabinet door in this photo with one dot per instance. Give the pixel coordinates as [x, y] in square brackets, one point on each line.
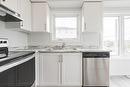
[49, 69]
[8, 78]
[26, 74]
[11, 4]
[72, 69]
[92, 12]
[25, 11]
[39, 17]
[28, 15]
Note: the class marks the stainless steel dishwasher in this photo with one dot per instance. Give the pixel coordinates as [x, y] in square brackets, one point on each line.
[96, 69]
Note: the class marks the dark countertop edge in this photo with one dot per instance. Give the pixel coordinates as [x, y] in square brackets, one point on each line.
[12, 56]
[24, 55]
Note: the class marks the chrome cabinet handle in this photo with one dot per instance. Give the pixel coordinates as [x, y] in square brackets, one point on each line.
[60, 67]
[22, 24]
[60, 58]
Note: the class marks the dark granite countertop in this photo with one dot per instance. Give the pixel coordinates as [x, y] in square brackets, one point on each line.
[16, 54]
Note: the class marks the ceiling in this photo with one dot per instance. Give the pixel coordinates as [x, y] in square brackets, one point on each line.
[65, 3]
[78, 3]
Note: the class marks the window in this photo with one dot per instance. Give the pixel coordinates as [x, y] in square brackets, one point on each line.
[110, 39]
[127, 33]
[66, 27]
[116, 34]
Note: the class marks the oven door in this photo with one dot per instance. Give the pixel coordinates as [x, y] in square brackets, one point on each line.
[22, 75]
[8, 78]
[26, 74]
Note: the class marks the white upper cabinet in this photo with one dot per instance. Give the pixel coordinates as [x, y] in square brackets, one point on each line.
[92, 14]
[11, 4]
[40, 17]
[25, 11]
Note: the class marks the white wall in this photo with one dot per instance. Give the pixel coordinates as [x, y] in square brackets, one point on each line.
[16, 39]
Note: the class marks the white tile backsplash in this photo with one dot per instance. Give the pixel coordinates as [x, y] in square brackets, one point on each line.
[39, 39]
[88, 39]
[16, 38]
[91, 39]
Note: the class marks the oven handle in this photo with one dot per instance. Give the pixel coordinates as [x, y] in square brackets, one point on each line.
[15, 63]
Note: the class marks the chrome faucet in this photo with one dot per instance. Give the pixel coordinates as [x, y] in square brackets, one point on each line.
[63, 45]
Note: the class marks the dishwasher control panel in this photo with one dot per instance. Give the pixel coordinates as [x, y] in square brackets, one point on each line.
[96, 54]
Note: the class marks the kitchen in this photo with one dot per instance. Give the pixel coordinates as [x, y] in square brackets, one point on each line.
[64, 43]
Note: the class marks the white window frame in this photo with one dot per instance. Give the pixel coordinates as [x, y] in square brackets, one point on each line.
[66, 14]
[123, 44]
[120, 33]
[116, 34]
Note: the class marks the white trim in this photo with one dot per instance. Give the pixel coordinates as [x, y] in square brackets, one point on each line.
[121, 36]
[123, 29]
[116, 34]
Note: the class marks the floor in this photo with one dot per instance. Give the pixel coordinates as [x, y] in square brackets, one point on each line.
[120, 81]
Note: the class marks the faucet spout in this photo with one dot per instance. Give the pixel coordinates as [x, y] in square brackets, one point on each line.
[63, 45]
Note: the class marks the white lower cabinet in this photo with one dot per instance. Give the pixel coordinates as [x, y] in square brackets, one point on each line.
[72, 69]
[60, 69]
[49, 69]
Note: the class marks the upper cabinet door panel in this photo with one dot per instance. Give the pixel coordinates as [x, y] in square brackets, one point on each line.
[11, 4]
[25, 10]
[93, 16]
[39, 16]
